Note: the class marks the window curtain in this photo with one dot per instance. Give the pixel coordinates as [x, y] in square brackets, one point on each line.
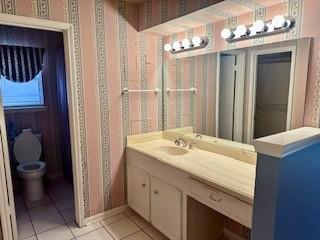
[20, 64]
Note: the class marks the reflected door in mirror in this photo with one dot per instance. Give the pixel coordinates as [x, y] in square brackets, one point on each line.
[272, 93]
[227, 95]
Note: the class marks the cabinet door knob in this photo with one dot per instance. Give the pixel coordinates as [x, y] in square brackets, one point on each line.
[156, 192]
[143, 184]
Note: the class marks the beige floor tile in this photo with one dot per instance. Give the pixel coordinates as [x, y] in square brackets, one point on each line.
[65, 204]
[61, 195]
[42, 211]
[86, 229]
[31, 238]
[100, 234]
[47, 222]
[122, 228]
[138, 236]
[25, 229]
[68, 215]
[113, 219]
[22, 217]
[129, 212]
[59, 233]
[155, 234]
[137, 219]
[44, 201]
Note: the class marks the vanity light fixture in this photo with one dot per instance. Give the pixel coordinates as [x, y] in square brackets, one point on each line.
[279, 24]
[187, 44]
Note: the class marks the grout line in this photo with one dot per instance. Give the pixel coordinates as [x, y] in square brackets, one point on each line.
[88, 232]
[108, 232]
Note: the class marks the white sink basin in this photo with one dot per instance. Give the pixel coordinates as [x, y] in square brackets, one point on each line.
[172, 150]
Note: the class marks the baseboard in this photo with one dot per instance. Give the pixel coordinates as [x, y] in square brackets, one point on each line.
[106, 214]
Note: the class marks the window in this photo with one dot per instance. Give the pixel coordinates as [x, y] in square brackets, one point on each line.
[15, 94]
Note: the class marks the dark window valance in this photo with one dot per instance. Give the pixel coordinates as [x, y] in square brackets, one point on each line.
[20, 64]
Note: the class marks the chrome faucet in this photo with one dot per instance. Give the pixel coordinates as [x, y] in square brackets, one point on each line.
[180, 142]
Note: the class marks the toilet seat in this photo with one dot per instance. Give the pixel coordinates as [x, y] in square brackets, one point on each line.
[31, 167]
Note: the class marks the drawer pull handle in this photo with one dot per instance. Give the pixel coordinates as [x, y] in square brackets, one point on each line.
[156, 192]
[143, 185]
[212, 197]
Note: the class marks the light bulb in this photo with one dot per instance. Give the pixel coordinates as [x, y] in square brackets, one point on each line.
[241, 31]
[167, 47]
[176, 46]
[279, 21]
[186, 43]
[196, 41]
[270, 27]
[259, 26]
[226, 33]
[252, 31]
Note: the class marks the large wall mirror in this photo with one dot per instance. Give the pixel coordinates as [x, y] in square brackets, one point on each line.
[241, 94]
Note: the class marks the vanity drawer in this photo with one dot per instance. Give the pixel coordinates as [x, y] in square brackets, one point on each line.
[224, 203]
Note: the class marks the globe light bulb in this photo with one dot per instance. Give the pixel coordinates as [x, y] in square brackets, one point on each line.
[270, 27]
[176, 46]
[186, 43]
[196, 41]
[167, 47]
[241, 31]
[226, 33]
[279, 21]
[259, 26]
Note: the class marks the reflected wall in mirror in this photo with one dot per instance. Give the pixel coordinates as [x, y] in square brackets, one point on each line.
[240, 94]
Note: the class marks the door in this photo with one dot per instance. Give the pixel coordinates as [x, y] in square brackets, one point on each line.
[272, 93]
[166, 208]
[227, 95]
[139, 191]
[230, 95]
[7, 210]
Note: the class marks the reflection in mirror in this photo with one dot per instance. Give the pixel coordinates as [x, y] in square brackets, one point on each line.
[240, 94]
[272, 93]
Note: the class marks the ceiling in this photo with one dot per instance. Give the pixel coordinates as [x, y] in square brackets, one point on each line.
[211, 14]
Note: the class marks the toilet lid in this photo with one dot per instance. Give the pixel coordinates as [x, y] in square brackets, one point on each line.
[27, 148]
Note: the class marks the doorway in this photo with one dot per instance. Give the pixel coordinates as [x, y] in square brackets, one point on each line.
[8, 213]
[272, 82]
[272, 92]
[34, 97]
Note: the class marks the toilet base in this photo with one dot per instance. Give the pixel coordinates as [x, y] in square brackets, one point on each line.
[33, 190]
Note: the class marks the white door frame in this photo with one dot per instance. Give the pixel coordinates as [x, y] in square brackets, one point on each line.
[239, 93]
[7, 209]
[253, 81]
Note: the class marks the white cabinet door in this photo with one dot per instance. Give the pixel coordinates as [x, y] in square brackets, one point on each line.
[166, 208]
[139, 191]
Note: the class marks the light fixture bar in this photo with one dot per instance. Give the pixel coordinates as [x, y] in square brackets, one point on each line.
[187, 45]
[277, 25]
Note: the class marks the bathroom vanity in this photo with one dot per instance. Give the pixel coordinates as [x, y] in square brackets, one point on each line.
[189, 192]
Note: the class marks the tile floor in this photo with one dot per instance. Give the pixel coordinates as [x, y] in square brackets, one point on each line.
[53, 219]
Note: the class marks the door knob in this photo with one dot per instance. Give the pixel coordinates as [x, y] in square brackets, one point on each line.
[143, 184]
[156, 192]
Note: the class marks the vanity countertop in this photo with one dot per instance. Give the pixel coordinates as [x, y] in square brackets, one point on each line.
[230, 175]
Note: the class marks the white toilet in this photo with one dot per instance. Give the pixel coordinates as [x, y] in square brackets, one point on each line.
[27, 151]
